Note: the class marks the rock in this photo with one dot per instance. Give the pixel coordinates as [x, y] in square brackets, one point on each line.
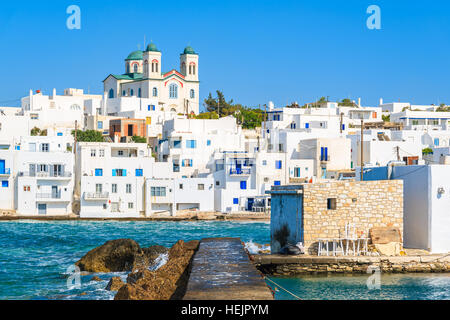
[148, 256]
[114, 284]
[113, 256]
[95, 278]
[168, 282]
[389, 249]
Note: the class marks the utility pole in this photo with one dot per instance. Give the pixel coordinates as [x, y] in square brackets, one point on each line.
[362, 150]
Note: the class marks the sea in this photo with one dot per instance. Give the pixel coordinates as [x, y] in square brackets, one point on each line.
[37, 261]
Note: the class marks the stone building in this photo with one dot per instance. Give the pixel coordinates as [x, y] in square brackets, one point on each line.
[308, 212]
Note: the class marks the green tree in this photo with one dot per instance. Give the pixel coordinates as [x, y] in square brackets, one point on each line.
[347, 103]
[427, 151]
[88, 136]
[35, 131]
[138, 139]
[207, 115]
[386, 118]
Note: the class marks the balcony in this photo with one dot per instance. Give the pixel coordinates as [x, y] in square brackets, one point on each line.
[240, 171]
[95, 196]
[5, 172]
[49, 197]
[46, 175]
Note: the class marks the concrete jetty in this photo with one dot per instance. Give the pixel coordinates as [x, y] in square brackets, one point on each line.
[222, 270]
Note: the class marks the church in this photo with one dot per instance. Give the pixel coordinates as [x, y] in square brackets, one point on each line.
[175, 91]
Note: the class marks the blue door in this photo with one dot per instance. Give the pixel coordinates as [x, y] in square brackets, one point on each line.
[250, 202]
[42, 208]
[2, 166]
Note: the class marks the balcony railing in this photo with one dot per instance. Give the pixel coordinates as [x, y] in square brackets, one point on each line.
[5, 171]
[96, 195]
[43, 174]
[325, 158]
[53, 195]
[240, 171]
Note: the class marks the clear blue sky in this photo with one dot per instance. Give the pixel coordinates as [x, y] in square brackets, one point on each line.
[255, 51]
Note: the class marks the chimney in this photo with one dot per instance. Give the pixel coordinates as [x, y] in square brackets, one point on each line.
[359, 102]
[381, 101]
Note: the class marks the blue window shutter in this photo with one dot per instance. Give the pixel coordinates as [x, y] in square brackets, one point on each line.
[5, 183]
[321, 153]
[307, 125]
[148, 108]
[124, 172]
[343, 126]
[114, 172]
[235, 200]
[326, 153]
[243, 185]
[277, 183]
[183, 163]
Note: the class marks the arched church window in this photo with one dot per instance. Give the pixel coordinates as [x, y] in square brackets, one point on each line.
[128, 68]
[135, 68]
[111, 94]
[190, 69]
[155, 92]
[131, 92]
[146, 66]
[173, 91]
[192, 94]
[140, 93]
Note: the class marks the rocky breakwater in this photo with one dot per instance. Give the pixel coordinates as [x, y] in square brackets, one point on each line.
[156, 272]
[168, 282]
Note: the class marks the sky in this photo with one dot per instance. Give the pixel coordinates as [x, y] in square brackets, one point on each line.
[253, 51]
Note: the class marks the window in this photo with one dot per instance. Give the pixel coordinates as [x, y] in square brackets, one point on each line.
[119, 172]
[104, 206]
[264, 162]
[114, 188]
[436, 141]
[45, 147]
[128, 68]
[99, 124]
[208, 142]
[155, 92]
[173, 91]
[201, 187]
[158, 191]
[124, 93]
[131, 92]
[5, 183]
[128, 188]
[98, 188]
[93, 152]
[324, 154]
[331, 203]
[243, 185]
[293, 125]
[186, 163]
[278, 164]
[191, 144]
[98, 172]
[101, 153]
[306, 125]
[177, 144]
[219, 166]
[181, 186]
[235, 200]
[297, 172]
[135, 68]
[192, 94]
[130, 205]
[277, 183]
[111, 94]
[120, 153]
[139, 92]
[139, 172]
[217, 183]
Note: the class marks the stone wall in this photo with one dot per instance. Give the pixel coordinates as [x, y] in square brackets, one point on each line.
[367, 204]
[292, 266]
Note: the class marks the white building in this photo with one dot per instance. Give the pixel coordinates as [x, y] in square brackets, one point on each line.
[176, 91]
[110, 178]
[171, 196]
[422, 120]
[426, 219]
[44, 184]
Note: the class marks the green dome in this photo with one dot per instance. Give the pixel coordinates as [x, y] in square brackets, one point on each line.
[152, 47]
[189, 50]
[135, 55]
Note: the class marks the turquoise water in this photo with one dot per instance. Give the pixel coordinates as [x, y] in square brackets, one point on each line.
[35, 255]
[339, 287]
